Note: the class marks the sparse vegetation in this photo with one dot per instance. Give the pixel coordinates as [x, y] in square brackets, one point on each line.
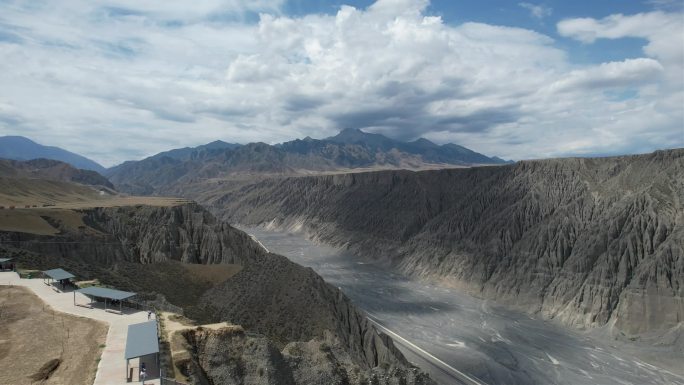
[44, 344]
[181, 320]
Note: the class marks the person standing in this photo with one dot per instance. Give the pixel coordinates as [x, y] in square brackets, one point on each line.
[143, 373]
[149, 314]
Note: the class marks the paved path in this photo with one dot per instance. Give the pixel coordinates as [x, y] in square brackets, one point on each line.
[454, 374]
[112, 367]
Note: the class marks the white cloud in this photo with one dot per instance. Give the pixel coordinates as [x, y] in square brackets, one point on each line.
[538, 11]
[661, 112]
[663, 31]
[628, 73]
[122, 79]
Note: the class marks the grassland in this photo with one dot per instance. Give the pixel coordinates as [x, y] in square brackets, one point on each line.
[21, 192]
[63, 200]
[24, 191]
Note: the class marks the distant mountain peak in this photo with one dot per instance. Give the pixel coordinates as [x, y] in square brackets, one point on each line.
[19, 139]
[22, 148]
[349, 134]
[186, 153]
[424, 143]
[356, 136]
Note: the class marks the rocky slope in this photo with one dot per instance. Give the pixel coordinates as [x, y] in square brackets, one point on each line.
[230, 356]
[53, 170]
[144, 249]
[351, 149]
[271, 310]
[142, 234]
[585, 241]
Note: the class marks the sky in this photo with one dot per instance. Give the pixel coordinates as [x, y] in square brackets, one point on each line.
[118, 80]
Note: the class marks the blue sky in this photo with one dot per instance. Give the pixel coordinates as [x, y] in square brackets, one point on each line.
[123, 79]
[513, 14]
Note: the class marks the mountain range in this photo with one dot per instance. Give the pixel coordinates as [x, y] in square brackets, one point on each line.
[21, 148]
[425, 151]
[351, 149]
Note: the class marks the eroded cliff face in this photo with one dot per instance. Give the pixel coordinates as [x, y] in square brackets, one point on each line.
[226, 356]
[585, 241]
[140, 234]
[146, 249]
[315, 334]
[289, 296]
[186, 233]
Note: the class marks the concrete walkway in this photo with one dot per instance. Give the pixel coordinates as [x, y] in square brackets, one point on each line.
[112, 367]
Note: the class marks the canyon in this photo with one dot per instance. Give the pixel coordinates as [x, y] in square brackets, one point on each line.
[586, 242]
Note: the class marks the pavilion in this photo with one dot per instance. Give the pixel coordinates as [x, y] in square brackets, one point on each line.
[60, 275]
[94, 292]
[142, 342]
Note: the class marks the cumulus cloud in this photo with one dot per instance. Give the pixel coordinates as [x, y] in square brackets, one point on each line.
[663, 31]
[121, 79]
[661, 74]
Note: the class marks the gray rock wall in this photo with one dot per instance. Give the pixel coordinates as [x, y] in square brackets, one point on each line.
[584, 241]
[142, 234]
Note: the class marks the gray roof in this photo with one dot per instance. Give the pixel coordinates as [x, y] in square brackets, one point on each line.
[3, 260]
[142, 339]
[58, 274]
[103, 292]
